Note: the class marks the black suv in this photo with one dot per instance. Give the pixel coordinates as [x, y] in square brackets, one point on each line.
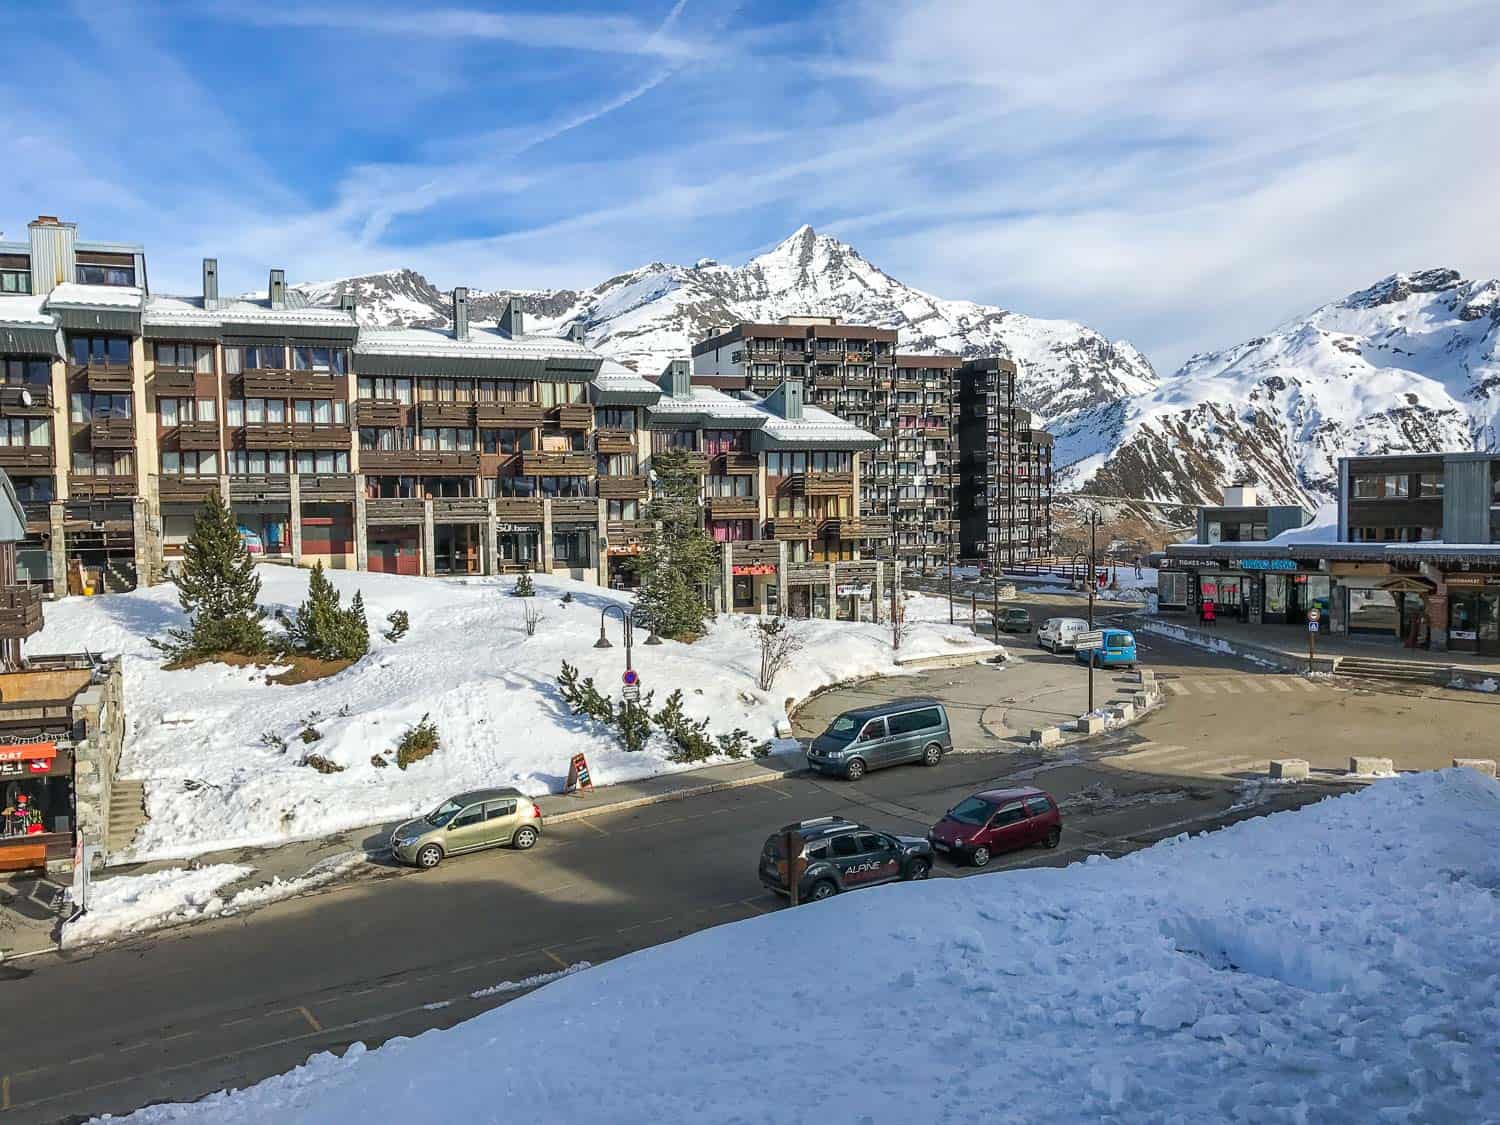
[839, 855]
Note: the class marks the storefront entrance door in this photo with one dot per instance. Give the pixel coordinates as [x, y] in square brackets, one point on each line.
[1489, 623]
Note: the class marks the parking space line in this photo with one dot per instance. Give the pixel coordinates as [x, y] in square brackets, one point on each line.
[308, 1016]
[779, 789]
[752, 905]
[590, 824]
[561, 964]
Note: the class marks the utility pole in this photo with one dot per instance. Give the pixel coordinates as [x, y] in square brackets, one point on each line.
[1093, 527]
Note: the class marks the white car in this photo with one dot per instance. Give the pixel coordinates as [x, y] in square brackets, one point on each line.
[1059, 634]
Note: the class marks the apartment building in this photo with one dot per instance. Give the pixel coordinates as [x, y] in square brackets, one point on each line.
[468, 450]
[855, 372]
[1003, 495]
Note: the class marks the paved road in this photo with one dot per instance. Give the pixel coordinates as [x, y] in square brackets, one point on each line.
[396, 953]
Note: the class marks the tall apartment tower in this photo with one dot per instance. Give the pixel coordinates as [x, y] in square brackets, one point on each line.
[1004, 493]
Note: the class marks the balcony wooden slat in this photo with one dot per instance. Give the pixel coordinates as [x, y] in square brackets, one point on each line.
[193, 435]
[622, 488]
[575, 416]
[542, 463]
[110, 378]
[171, 487]
[112, 433]
[614, 441]
[575, 509]
[418, 462]
[174, 380]
[26, 458]
[460, 414]
[379, 412]
[791, 528]
[736, 464]
[516, 509]
[509, 415]
[258, 383]
[732, 507]
[86, 486]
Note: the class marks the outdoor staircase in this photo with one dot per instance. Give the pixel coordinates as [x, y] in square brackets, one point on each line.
[127, 812]
[1402, 671]
[119, 577]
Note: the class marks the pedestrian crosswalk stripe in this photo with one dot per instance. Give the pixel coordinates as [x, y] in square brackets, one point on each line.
[1306, 685]
[1254, 685]
[1176, 688]
[1228, 687]
[1281, 684]
[1154, 751]
[1205, 687]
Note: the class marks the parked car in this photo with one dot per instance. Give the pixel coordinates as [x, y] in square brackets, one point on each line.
[1057, 634]
[1015, 620]
[841, 855]
[468, 822]
[886, 734]
[997, 820]
[1118, 650]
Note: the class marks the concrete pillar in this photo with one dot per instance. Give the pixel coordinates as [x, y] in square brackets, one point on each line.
[294, 518]
[140, 537]
[62, 430]
[781, 583]
[490, 549]
[546, 544]
[57, 537]
[361, 525]
[429, 540]
[728, 577]
[833, 592]
[600, 535]
[877, 592]
[224, 488]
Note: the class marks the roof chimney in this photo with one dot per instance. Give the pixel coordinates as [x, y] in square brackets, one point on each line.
[52, 257]
[210, 282]
[786, 400]
[276, 290]
[676, 379]
[460, 313]
[512, 320]
[575, 332]
[1241, 496]
[346, 303]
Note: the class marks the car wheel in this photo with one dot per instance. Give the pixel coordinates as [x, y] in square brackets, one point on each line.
[429, 857]
[855, 769]
[980, 856]
[524, 838]
[919, 869]
[1054, 834]
[932, 755]
[822, 889]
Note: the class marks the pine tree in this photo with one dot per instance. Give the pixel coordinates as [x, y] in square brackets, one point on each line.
[679, 562]
[323, 628]
[354, 636]
[218, 588]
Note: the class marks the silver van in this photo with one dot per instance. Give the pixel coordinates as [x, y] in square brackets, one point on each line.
[886, 734]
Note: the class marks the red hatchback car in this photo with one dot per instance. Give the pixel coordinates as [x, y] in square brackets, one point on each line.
[997, 820]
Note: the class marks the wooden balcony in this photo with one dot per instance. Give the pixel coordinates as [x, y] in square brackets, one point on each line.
[256, 488]
[863, 527]
[575, 509]
[791, 528]
[112, 433]
[446, 414]
[326, 487]
[514, 509]
[736, 464]
[732, 507]
[20, 611]
[320, 435]
[419, 462]
[385, 412]
[510, 415]
[540, 463]
[194, 435]
[86, 486]
[460, 509]
[615, 441]
[389, 510]
[268, 383]
[174, 380]
[625, 531]
[14, 400]
[109, 378]
[574, 416]
[622, 488]
[819, 484]
[26, 458]
[171, 487]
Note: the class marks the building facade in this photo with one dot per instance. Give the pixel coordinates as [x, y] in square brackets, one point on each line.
[1003, 495]
[478, 449]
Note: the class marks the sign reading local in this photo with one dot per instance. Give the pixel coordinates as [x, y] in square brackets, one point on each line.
[853, 590]
[1093, 639]
[1264, 564]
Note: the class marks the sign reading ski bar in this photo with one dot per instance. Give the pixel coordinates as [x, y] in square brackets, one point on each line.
[1093, 639]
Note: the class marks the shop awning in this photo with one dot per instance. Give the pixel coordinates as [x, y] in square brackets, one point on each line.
[1407, 585]
[40, 751]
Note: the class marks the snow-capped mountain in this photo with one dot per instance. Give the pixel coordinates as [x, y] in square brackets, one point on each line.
[1411, 364]
[655, 313]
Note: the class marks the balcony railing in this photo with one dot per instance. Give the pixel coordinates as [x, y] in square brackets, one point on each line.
[575, 509]
[732, 507]
[614, 441]
[88, 486]
[800, 528]
[112, 433]
[296, 435]
[517, 509]
[421, 462]
[174, 379]
[26, 458]
[379, 412]
[459, 414]
[625, 531]
[574, 416]
[110, 378]
[13, 400]
[395, 509]
[170, 486]
[818, 484]
[622, 488]
[270, 383]
[510, 415]
[862, 527]
[194, 435]
[541, 463]
[20, 611]
[460, 509]
[736, 464]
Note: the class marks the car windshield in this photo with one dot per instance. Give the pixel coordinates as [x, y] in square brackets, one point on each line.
[971, 810]
[445, 812]
[843, 729]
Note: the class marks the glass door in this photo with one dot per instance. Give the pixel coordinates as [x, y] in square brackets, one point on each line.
[1489, 623]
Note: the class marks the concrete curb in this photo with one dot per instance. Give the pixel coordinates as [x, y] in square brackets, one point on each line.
[948, 660]
[671, 795]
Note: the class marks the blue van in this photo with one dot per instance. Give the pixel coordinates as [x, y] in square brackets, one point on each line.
[1118, 650]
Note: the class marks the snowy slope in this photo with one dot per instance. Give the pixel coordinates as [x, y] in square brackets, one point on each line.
[232, 775]
[1340, 963]
[1409, 365]
[653, 314]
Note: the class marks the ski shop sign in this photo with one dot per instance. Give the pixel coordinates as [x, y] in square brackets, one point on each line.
[18, 759]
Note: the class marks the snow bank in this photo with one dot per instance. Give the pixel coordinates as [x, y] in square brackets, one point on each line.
[133, 903]
[1340, 963]
[220, 748]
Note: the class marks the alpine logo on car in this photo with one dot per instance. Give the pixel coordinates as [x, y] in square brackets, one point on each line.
[860, 868]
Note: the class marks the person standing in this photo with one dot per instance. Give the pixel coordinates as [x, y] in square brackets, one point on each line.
[1208, 612]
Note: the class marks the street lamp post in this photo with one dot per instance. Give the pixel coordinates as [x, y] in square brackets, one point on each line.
[603, 641]
[1093, 549]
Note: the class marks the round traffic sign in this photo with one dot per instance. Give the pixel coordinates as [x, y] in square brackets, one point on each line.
[629, 677]
[1314, 613]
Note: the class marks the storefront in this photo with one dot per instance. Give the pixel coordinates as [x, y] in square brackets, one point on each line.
[1474, 614]
[1255, 591]
[518, 546]
[36, 804]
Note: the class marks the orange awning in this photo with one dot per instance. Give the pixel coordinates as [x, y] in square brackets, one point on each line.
[43, 751]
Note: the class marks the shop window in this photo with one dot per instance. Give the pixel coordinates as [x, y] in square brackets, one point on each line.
[1430, 485]
[572, 548]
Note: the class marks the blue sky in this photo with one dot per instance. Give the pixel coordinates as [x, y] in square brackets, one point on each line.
[1181, 175]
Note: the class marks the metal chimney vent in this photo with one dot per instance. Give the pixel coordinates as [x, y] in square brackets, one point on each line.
[276, 290]
[512, 320]
[210, 282]
[460, 313]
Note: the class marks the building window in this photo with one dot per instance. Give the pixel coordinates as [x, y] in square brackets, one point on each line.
[190, 463]
[328, 361]
[36, 432]
[669, 441]
[105, 275]
[322, 461]
[111, 350]
[26, 372]
[1430, 485]
[616, 418]
[380, 388]
[87, 407]
[572, 548]
[447, 438]
[15, 281]
[261, 357]
[104, 462]
[617, 465]
[319, 411]
[194, 357]
[622, 509]
[257, 462]
[742, 485]
[562, 394]
[563, 486]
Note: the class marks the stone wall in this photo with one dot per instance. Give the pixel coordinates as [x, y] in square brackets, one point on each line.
[99, 736]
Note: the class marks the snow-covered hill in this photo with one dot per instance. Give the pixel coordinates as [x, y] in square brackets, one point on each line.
[655, 313]
[1408, 365]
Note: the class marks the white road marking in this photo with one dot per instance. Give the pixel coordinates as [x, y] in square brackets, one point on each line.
[1306, 685]
[1280, 684]
[1228, 687]
[1175, 687]
[1254, 685]
[1204, 686]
